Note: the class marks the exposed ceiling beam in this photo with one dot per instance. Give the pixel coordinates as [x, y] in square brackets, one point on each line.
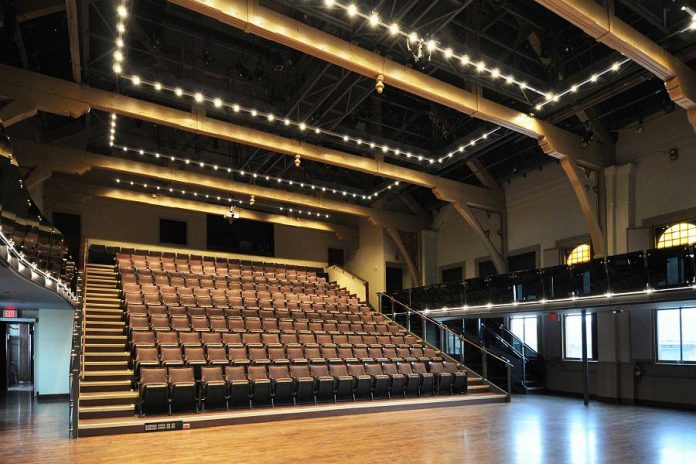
[69, 99]
[62, 186]
[249, 16]
[601, 23]
[74, 34]
[79, 162]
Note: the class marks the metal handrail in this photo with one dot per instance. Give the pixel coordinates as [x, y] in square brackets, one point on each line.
[522, 342]
[77, 352]
[462, 340]
[504, 342]
[444, 327]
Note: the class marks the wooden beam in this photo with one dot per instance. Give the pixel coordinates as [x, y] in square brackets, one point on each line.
[470, 218]
[67, 98]
[410, 265]
[249, 16]
[79, 162]
[601, 23]
[61, 186]
[74, 35]
[17, 111]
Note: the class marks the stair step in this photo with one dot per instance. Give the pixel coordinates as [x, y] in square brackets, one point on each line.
[87, 386]
[98, 339]
[103, 412]
[104, 291]
[89, 305]
[100, 266]
[89, 299]
[103, 311]
[95, 375]
[104, 347]
[479, 388]
[113, 323]
[103, 330]
[107, 398]
[102, 366]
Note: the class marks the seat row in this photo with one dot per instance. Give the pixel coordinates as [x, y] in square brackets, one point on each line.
[146, 289]
[267, 313]
[207, 281]
[226, 263]
[152, 338]
[207, 301]
[257, 353]
[176, 389]
[238, 324]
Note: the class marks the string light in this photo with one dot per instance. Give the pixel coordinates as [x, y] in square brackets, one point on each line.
[483, 68]
[122, 14]
[252, 200]
[302, 126]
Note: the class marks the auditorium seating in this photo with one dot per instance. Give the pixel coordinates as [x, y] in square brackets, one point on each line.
[209, 333]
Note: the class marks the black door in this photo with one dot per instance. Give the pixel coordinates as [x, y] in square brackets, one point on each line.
[395, 279]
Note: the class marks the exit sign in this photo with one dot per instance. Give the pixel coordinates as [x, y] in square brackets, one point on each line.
[9, 313]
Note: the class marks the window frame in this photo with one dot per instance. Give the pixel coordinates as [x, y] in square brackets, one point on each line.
[524, 330]
[659, 231]
[592, 341]
[568, 252]
[681, 361]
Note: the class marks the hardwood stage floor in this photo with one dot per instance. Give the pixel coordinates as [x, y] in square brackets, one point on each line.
[532, 429]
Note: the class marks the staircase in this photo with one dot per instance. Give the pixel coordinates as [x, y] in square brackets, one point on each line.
[106, 388]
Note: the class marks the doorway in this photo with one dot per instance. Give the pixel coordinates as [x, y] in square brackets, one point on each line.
[17, 352]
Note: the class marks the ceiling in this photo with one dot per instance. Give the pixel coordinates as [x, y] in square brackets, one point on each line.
[167, 43]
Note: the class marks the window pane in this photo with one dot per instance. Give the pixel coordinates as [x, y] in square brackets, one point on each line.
[689, 334]
[517, 327]
[668, 339]
[530, 332]
[573, 336]
[573, 342]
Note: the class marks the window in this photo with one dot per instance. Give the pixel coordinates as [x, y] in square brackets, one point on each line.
[579, 254]
[453, 274]
[173, 232]
[572, 336]
[522, 262]
[240, 236]
[683, 233]
[336, 257]
[486, 268]
[676, 335]
[525, 328]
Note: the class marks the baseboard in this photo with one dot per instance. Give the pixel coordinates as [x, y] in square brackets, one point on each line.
[53, 397]
[626, 401]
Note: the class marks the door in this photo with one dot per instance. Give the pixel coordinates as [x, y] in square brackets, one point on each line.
[18, 368]
[395, 279]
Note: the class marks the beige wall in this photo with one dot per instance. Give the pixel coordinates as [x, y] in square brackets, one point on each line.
[368, 260]
[457, 242]
[661, 186]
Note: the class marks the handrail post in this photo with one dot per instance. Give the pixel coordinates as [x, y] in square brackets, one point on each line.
[425, 329]
[392, 308]
[484, 364]
[509, 384]
[408, 320]
[524, 368]
[442, 339]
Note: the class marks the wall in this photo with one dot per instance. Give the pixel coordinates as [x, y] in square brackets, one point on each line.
[52, 345]
[367, 261]
[458, 243]
[661, 186]
[120, 221]
[623, 340]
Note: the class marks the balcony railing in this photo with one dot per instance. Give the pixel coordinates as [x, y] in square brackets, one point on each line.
[648, 271]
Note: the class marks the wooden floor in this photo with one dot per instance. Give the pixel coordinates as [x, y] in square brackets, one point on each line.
[531, 429]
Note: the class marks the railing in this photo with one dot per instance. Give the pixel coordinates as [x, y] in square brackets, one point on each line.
[347, 279]
[640, 272]
[516, 347]
[446, 336]
[77, 353]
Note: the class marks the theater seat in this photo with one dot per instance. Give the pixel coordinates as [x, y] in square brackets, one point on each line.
[260, 384]
[460, 378]
[182, 389]
[397, 381]
[325, 384]
[152, 389]
[237, 386]
[212, 392]
[380, 381]
[344, 382]
[426, 378]
[412, 379]
[443, 379]
[304, 383]
[282, 383]
[363, 381]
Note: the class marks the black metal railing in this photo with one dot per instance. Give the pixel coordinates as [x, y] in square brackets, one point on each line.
[452, 344]
[640, 271]
[77, 352]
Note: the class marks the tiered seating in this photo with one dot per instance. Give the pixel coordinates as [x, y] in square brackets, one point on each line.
[215, 333]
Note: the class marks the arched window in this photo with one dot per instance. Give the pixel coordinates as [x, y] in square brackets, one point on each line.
[580, 254]
[683, 233]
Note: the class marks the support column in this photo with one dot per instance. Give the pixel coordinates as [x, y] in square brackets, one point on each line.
[620, 181]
